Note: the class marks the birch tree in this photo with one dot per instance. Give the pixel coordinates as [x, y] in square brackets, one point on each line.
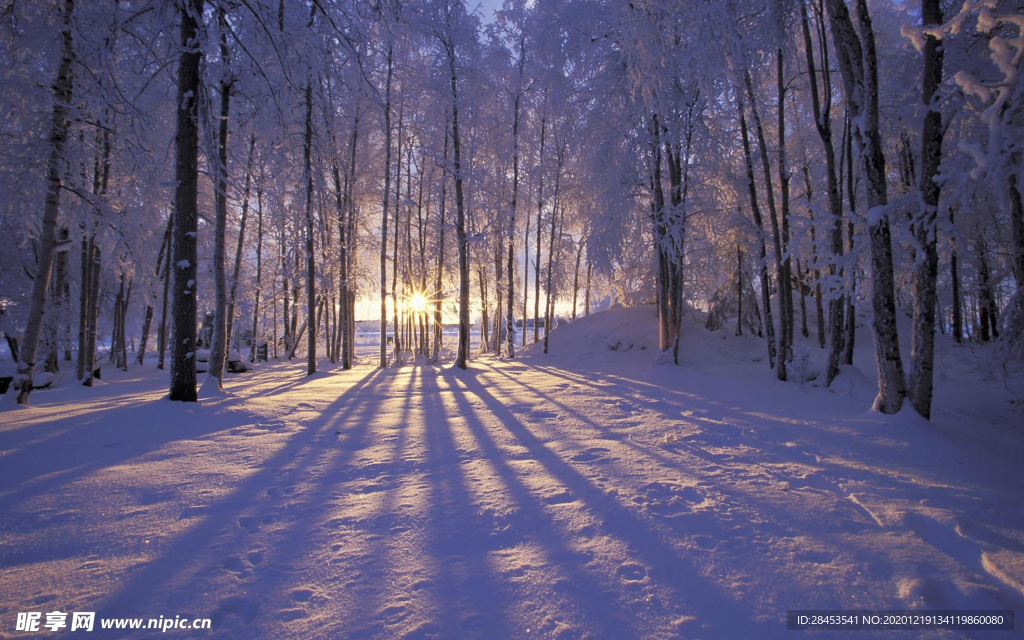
[63, 87]
[858, 63]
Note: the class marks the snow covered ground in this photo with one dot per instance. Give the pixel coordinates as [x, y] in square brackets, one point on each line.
[580, 494]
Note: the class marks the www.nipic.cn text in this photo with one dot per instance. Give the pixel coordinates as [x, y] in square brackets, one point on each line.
[35, 621]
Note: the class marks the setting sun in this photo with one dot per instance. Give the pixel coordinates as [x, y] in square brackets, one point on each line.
[417, 302]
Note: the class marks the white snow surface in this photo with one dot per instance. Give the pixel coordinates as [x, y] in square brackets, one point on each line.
[580, 494]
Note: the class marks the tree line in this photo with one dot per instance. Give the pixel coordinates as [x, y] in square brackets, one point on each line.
[233, 172]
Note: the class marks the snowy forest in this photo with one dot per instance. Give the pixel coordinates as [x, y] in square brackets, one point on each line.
[510, 319]
[219, 175]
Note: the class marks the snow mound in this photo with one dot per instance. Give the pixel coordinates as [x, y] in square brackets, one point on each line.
[612, 337]
[628, 337]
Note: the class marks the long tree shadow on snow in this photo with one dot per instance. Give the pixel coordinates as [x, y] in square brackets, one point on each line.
[213, 546]
[605, 613]
[803, 459]
[44, 458]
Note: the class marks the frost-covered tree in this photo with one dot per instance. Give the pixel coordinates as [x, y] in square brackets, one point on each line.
[858, 63]
[63, 88]
[994, 85]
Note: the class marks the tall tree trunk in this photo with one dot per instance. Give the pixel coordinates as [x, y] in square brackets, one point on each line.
[540, 213]
[549, 307]
[58, 326]
[395, 323]
[787, 261]
[422, 216]
[821, 103]
[801, 283]
[83, 305]
[661, 232]
[183, 336]
[92, 313]
[769, 322]
[576, 279]
[147, 322]
[160, 272]
[307, 151]
[460, 218]
[162, 336]
[341, 198]
[850, 339]
[858, 62]
[497, 336]
[922, 354]
[233, 293]
[499, 277]
[384, 215]
[348, 252]
[510, 294]
[439, 280]
[586, 295]
[1016, 225]
[59, 123]
[219, 338]
[526, 276]
[781, 277]
[954, 272]
[286, 300]
[816, 272]
[485, 334]
[739, 290]
[987, 312]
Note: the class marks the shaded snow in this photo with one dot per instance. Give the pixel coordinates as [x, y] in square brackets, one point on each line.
[579, 494]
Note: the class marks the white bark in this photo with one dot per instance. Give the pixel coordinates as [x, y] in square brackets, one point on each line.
[62, 91]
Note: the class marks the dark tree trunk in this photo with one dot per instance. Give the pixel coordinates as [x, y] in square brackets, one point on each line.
[236, 273]
[307, 150]
[766, 303]
[184, 272]
[383, 362]
[922, 352]
[462, 355]
[781, 277]
[987, 312]
[540, 213]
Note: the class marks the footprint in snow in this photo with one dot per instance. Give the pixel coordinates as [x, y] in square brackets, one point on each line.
[668, 500]
[243, 609]
[394, 614]
[249, 524]
[631, 572]
[235, 565]
[288, 615]
[193, 511]
[301, 595]
[591, 454]
[544, 415]
[560, 497]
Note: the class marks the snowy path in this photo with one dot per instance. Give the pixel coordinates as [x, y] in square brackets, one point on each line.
[515, 500]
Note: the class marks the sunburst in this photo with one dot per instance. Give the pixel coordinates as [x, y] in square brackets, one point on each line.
[417, 302]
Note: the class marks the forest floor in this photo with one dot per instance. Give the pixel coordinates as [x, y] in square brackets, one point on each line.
[581, 494]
